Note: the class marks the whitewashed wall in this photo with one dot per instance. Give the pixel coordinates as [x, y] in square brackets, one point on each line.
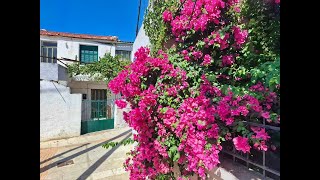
[60, 111]
[141, 40]
[118, 116]
[69, 47]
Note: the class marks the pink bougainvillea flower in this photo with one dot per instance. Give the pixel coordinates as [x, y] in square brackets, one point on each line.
[233, 2]
[167, 16]
[257, 87]
[277, 1]
[244, 111]
[237, 9]
[263, 146]
[239, 35]
[197, 54]
[206, 60]
[201, 172]
[241, 144]
[260, 133]
[228, 136]
[273, 147]
[227, 60]
[121, 104]
[184, 52]
[265, 115]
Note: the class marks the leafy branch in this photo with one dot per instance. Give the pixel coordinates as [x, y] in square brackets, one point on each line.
[105, 69]
[113, 144]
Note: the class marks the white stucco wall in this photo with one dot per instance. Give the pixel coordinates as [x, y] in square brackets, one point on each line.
[141, 40]
[118, 116]
[60, 111]
[69, 47]
[49, 71]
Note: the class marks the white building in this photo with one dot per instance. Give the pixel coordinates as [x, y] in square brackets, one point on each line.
[141, 40]
[67, 104]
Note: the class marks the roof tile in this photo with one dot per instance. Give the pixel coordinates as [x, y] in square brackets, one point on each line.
[81, 36]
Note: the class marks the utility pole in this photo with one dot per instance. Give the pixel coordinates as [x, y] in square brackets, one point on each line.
[138, 17]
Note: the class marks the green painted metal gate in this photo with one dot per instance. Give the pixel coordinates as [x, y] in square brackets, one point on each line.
[96, 115]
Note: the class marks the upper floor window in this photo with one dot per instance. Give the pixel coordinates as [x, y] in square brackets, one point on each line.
[88, 54]
[124, 54]
[48, 52]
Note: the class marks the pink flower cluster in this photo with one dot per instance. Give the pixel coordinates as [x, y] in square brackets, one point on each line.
[260, 133]
[197, 123]
[167, 16]
[227, 60]
[121, 104]
[215, 37]
[206, 60]
[141, 117]
[241, 144]
[194, 121]
[239, 35]
[195, 15]
[229, 108]
[167, 104]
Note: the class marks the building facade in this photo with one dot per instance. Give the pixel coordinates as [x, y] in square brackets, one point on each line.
[77, 101]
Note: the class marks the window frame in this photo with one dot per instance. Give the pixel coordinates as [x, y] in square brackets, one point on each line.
[121, 54]
[46, 58]
[95, 56]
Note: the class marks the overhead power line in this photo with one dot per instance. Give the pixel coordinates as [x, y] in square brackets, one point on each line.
[137, 28]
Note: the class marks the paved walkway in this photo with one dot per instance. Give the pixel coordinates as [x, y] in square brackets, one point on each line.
[46, 154]
[84, 158]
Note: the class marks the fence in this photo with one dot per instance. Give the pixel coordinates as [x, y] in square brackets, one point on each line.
[266, 163]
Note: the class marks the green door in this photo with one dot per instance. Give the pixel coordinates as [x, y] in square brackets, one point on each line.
[97, 114]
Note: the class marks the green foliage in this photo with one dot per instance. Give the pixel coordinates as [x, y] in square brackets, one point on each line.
[262, 51]
[113, 144]
[105, 69]
[268, 72]
[154, 26]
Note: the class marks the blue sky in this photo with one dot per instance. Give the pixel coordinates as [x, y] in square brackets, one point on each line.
[98, 17]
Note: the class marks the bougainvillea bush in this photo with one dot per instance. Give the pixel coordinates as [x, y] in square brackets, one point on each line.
[219, 71]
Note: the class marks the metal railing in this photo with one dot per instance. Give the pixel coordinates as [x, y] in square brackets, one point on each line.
[272, 169]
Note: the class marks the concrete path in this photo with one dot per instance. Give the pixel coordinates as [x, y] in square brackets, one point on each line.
[84, 158]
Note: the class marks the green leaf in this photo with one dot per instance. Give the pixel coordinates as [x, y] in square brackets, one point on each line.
[164, 110]
[176, 156]
[239, 128]
[173, 148]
